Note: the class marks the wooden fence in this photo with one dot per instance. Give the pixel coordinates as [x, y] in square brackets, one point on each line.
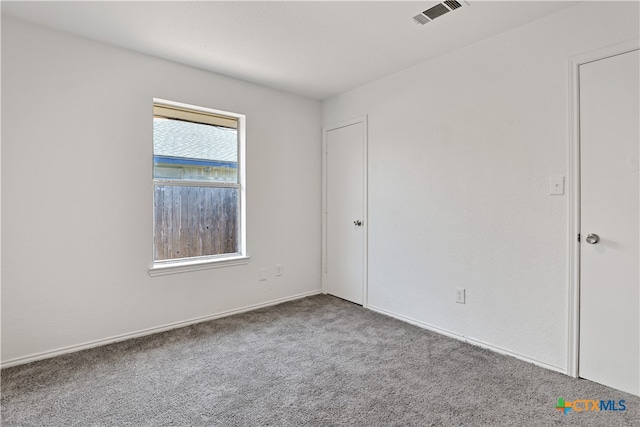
[194, 221]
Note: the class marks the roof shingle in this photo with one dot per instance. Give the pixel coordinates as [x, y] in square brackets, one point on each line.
[176, 138]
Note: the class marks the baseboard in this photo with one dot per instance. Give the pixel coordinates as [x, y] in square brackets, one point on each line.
[149, 331]
[468, 340]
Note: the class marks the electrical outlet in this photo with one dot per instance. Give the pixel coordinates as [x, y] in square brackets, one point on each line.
[278, 269]
[263, 274]
[460, 295]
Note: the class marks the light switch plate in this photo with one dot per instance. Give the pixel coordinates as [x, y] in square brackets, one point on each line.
[556, 185]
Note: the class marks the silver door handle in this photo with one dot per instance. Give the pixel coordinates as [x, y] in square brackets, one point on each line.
[592, 238]
[357, 223]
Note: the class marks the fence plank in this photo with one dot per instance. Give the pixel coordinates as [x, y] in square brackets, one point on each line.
[194, 221]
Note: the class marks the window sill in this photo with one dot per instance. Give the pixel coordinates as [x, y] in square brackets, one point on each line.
[186, 266]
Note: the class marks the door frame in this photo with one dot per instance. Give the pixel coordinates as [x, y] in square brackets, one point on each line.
[365, 201]
[573, 338]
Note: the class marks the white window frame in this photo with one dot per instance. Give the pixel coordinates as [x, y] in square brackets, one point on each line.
[182, 265]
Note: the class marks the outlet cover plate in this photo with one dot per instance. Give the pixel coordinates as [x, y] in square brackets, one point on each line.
[556, 185]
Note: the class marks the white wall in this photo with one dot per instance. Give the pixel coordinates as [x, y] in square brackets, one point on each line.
[461, 149]
[77, 193]
[460, 152]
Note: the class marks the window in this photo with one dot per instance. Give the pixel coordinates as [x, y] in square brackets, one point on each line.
[198, 188]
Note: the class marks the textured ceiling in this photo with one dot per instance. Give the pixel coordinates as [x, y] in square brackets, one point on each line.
[313, 48]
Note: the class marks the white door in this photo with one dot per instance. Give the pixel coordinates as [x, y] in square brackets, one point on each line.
[345, 211]
[609, 230]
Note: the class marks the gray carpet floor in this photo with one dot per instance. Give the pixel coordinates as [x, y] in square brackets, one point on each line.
[318, 361]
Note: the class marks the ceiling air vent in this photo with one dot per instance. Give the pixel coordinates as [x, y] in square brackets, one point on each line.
[437, 11]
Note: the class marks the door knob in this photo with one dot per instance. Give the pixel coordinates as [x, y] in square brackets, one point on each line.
[357, 223]
[592, 238]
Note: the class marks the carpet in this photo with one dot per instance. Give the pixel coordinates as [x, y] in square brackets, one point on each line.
[318, 361]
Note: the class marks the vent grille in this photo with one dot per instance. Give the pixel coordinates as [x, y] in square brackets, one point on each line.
[437, 11]
[421, 19]
[452, 4]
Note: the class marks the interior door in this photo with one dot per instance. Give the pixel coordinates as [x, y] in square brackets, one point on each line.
[609, 193]
[345, 210]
